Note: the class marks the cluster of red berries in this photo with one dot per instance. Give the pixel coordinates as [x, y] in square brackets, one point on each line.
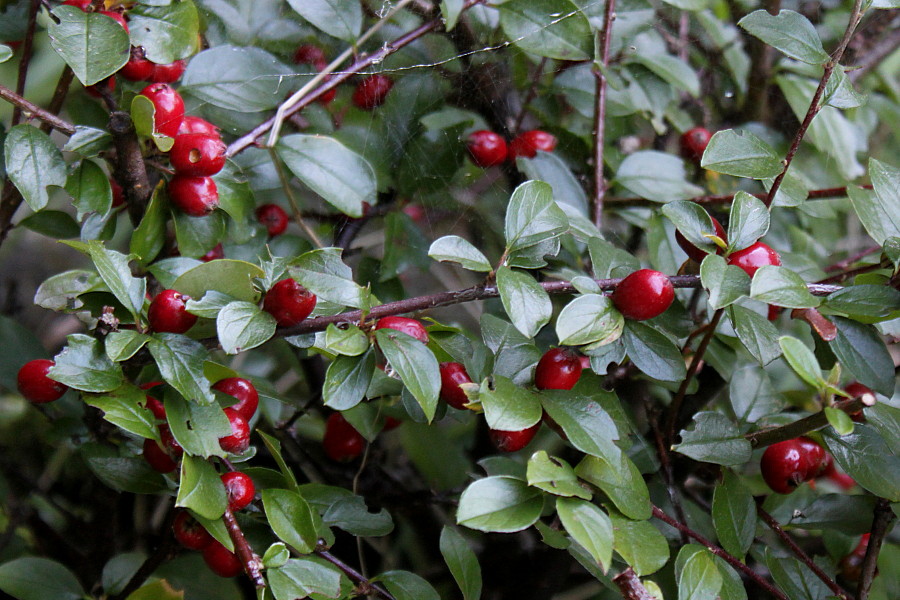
[370, 92]
[489, 149]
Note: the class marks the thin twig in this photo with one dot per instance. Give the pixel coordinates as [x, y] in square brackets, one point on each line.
[767, 437]
[252, 563]
[845, 263]
[734, 562]
[363, 584]
[295, 208]
[27, 51]
[880, 527]
[604, 37]
[838, 192]
[32, 109]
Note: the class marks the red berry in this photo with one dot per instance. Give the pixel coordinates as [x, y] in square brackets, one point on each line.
[342, 442]
[84, 5]
[195, 196]
[156, 407]
[169, 443]
[197, 154]
[167, 73]
[372, 91]
[839, 478]
[585, 362]
[34, 384]
[239, 440]
[169, 107]
[273, 218]
[415, 212]
[94, 90]
[693, 142]
[117, 17]
[391, 423]
[189, 532]
[289, 302]
[487, 149]
[405, 325]
[239, 488]
[753, 257]
[858, 390]
[452, 375]
[138, 68]
[329, 96]
[310, 54]
[216, 252]
[693, 251]
[157, 458]
[813, 457]
[168, 313]
[643, 295]
[511, 441]
[529, 142]
[221, 561]
[118, 194]
[558, 369]
[191, 124]
[787, 464]
[244, 391]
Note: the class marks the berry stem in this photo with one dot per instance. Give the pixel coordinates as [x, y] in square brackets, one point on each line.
[33, 110]
[603, 37]
[884, 516]
[767, 437]
[630, 586]
[243, 550]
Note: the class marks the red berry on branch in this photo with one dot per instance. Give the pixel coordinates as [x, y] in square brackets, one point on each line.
[289, 302]
[342, 442]
[558, 369]
[197, 154]
[169, 107]
[695, 253]
[168, 313]
[405, 325]
[244, 391]
[452, 375]
[189, 532]
[221, 561]
[487, 149]
[195, 196]
[239, 488]
[191, 124]
[216, 253]
[273, 218]
[787, 464]
[528, 143]
[751, 258]
[169, 443]
[372, 91]
[138, 68]
[512, 441]
[239, 440]
[167, 73]
[117, 17]
[693, 143]
[643, 295]
[35, 386]
[157, 458]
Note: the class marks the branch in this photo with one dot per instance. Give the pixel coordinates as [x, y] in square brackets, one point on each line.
[731, 560]
[36, 111]
[131, 172]
[767, 437]
[799, 553]
[884, 516]
[629, 583]
[878, 53]
[365, 587]
[252, 563]
[814, 106]
[838, 192]
[604, 37]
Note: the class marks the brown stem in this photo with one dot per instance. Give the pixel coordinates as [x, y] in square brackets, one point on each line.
[604, 36]
[734, 562]
[630, 586]
[675, 407]
[35, 111]
[252, 563]
[845, 263]
[663, 452]
[814, 106]
[838, 192]
[363, 584]
[852, 272]
[800, 554]
[131, 172]
[880, 526]
[27, 51]
[767, 437]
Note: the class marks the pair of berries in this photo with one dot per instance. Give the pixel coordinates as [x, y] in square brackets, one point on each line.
[489, 149]
[138, 68]
[787, 464]
[310, 54]
[370, 92]
[237, 387]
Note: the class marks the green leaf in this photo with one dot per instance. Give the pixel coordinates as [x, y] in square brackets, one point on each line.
[589, 319]
[789, 32]
[341, 176]
[274, 448]
[231, 277]
[742, 154]
[756, 332]
[39, 579]
[725, 283]
[168, 32]
[143, 115]
[694, 223]
[656, 176]
[639, 543]
[90, 189]
[123, 344]
[514, 354]
[407, 586]
[347, 379]
[201, 488]
[351, 514]
[452, 248]
[567, 191]
[878, 210]
[347, 340]
[734, 515]
[802, 361]
[180, 362]
[508, 407]
[554, 476]
[158, 590]
[584, 421]
[52, 223]
[714, 439]
[116, 273]
[621, 480]
[795, 578]
[525, 301]
[88, 141]
[60, 292]
[864, 300]
[752, 394]
[242, 326]
[748, 221]
[653, 353]
[589, 526]
[301, 577]
[840, 420]
[197, 427]
[416, 365]
[699, 579]
[782, 287]
[150, 234]
[462, 561]
[291, 518]
[532, 216]
[674, 71]
[861, 351]
[499, 504]
[94, 45]
[338, 18]
[324, 274]
[550, 28]
[33, 162]
[124, 408]
[83, 365]
[198, 235]
[123, 474]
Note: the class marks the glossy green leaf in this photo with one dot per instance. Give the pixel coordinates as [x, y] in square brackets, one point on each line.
[462, 562]
[584, 421]
[756, 332]
[748, 221]
[699, 579]
[33, 162]
[514, 354]
[197, 427]
[124, 408]
[499, 504]
[694, 223]
[32, 578]
[83, 365]
[60, 292]
[201, 488]
[291, 518]
[93, 45]
[121, 473]
[90, 189]
[198, 235]
[789, 32]
[550, 28]
[753, 395]
[861, 351]
[508, 407]
[347, 340]
[782, 287]
[714, 439]
[589, 319]
[338, 18]
[116, 273]
[407, 586]
[351, 514]
[525, 301]
[839, 420]
[639, 543]
[795, 578]
[180, 362]
[168, 32]
[88, 141]
[452, 248]
[734, 515]
[532, 216]
[802, 360]
[652, 352]
[149, 236]
[231, 277]
[589, 526]
[347, 379]
[742, 154]
[52, 223]
[621, 480]
[554, 476]
[657, 176]
[416, 365]
[865, 300]
[301, 577]
[725, 283]
[324, 274]
[552, 170]
[868, 459]
[242, 326]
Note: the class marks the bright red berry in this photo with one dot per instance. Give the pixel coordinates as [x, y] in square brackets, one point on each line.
[84, 5]
[169, 107]
[342, 442]
[221, 561]
[452, 375]
[289, 302]
[189, 532]
[109, 84]
[753, 257]
[850, 567]
[167, 73]
[191, 124]
[528, 143]
[405, 325]
[244, 391]
[216, 252]
[643, 295]
[157, 458]
[511, 441]
[118, 194]
[197, 154]
[372, 91]
[814, 457]
[168, 313]
[695, 253]
[195, 196]
[787, 464]
[558, 369]
[239, 440]
[273, 218]
[34, 384]
[155, 406]
[585, 362]
[693, 143]
[487, 149]
[138, 68]
[117, 17]
[239, 488]
[169, 443]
